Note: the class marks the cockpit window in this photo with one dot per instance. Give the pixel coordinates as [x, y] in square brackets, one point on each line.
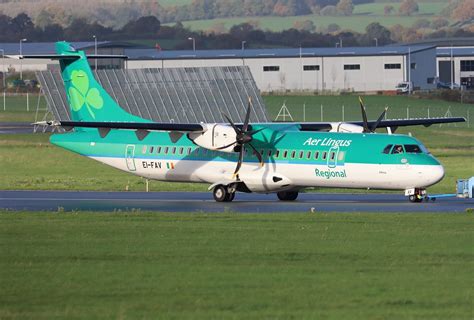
[412, 148]
[397, 149]
[386, 150]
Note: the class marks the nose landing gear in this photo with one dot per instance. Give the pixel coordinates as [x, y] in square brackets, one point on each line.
[415, 194]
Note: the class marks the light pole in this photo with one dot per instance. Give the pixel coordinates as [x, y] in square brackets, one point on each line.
[243, 45]
[21, 53]
[95, 51]
[3, 67]
[194, 42]
[376, 42]
[3, 77]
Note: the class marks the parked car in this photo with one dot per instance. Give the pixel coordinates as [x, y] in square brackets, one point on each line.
[448, 85]
[403, 87]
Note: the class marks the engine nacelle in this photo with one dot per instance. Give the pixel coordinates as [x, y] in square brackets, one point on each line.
[214, 136]
[346, 127]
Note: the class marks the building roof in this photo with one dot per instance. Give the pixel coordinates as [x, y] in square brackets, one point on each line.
[146, 54]
[456, 52]
[49, 47]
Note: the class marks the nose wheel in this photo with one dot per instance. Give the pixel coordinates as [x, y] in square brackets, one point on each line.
[416, 195]
[222, 194]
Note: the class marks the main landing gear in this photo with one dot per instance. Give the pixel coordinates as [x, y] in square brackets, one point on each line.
[287, 195]
[223, 194]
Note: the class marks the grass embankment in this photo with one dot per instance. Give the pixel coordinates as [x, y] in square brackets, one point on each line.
[227, 266]
[363, 15]
[30, 162]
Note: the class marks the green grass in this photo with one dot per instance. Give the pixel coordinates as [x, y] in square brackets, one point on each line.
[31, 162]
[229, 266]
[364, 14]
[16, 108]
[168, 3]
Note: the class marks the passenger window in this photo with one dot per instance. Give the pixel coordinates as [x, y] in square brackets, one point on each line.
[293, 154]
[397, 149]
[333, 155]
[285, 154]
[144, 149]
[181, 150]
[412, 148]
[277, 154]
[341, 155]
[174, 150]
[325, 155]
[301, 154]
[158, 149]
[269, 153]
[151, 149]
[166, 150]
[316, 155]
[386, 150]
[189, 151]
[308, 155]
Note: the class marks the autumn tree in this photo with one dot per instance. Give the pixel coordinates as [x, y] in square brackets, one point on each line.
[306, 25]
[408, 7]
[345, 7]
[464, 10]
[439, 23]
[387, 10]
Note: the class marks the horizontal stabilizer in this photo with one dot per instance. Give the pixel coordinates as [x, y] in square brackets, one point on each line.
[152, 126]
[66, 56]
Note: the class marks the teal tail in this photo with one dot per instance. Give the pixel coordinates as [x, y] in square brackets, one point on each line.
[88, 101]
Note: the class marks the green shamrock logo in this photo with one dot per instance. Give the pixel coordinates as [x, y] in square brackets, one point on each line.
[80, 93]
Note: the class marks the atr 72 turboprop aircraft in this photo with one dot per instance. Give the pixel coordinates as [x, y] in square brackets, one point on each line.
[281, 158]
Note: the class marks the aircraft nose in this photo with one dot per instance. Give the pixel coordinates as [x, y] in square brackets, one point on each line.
[436, 173]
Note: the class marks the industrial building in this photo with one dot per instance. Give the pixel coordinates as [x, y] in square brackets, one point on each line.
[358, 69]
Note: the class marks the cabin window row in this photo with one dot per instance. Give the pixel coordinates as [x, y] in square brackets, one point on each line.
[280, 154]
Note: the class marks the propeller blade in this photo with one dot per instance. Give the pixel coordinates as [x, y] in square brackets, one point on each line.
[259, 156]
[374, 126]
[364, 115]
[236, 129]
[252, 132]
[247, 116]
[229, 145]
[239, 163]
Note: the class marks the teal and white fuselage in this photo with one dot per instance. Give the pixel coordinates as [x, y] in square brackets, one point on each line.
[299, 159]
[292, 158]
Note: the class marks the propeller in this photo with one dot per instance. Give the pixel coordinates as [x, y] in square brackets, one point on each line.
[243, 137]
[365, 121]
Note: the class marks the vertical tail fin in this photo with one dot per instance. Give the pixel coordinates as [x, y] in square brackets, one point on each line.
[87, 99]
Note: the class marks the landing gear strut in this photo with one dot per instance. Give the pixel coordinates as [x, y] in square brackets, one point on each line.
[415, 195]
[287, 195]
[222, 194]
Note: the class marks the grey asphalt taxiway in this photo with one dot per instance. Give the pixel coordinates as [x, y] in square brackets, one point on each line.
[203, 202]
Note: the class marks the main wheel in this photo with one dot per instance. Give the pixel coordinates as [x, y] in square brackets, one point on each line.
[222, 195]
[287, 195]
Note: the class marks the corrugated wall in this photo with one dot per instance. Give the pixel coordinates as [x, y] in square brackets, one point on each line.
[180, 95]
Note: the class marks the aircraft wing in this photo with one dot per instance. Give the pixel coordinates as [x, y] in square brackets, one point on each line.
[393, 124]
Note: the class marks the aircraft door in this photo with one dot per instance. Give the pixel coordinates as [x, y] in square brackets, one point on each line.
[130, 157]
[333, 155]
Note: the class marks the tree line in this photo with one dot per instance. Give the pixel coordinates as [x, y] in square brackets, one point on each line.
[149, 27]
